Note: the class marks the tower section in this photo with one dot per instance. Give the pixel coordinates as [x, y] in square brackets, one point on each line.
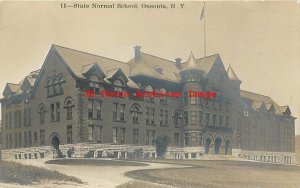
[191, 80]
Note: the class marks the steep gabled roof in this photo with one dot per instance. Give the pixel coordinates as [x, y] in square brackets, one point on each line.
[76, 60]
[254, 97]
[147, 65]
[231, 74]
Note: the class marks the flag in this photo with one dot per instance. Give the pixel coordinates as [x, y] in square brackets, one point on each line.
[202, 12]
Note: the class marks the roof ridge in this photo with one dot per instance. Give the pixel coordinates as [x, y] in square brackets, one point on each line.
[256, 93]
[88, 53]
[157, 57]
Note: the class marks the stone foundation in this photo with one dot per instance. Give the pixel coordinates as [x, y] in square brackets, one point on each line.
[271, 157]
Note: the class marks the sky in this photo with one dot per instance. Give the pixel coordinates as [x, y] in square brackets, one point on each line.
[260, 40]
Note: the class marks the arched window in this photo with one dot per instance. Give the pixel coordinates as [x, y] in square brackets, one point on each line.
[177, 118]
[42, 111]
[94, 83]
[135, 111]
[68, 106]
[60, 78]
[47, 82]
[118, 85]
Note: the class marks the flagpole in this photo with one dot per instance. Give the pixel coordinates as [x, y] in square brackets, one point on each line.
[204, 30]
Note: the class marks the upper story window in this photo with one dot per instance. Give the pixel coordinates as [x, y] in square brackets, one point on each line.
[94, 83]
[135, 111]
[118, 84]
[53, 85]
[42, 112]
[68, 106]
[55, 111]
[27, 117]
[94, 109]
[177, 118]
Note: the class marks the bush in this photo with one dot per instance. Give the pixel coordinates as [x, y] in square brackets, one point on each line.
[70, 152]
[161, 145]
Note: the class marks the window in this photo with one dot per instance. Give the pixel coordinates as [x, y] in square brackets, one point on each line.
[29, 139]
[166, 117]
[68, 106]
[135, 112]
[150, 137]
[207, 119]
[99, 134]
[91, 133]
[115, 135]
[207, 103]
[25, 139]
[122, 135]
[19, 119]
[16, 140]
[42, 137]
[54, 85]
[122, 112]
[42, 111]
[98, 109]
[163, 97]
[200, 118]
[6, 121]
[20, 140]
[149, 98]
[149, 116]
[115, 112]
[220, 106]
[176, 118]
[118, 85]
[10, 120]
[193, 117]
[90, 108]
[214, 119]
[200, 101]
[55, 111]
[15, 119]
[246, 113]
[161, 118]
[35, 137]
[185, 98]
[135, 136]
[186, 117]
[193, 100]
[227, 122]
[69, 134]
[94, 83]
[220, 120]
[176, 139]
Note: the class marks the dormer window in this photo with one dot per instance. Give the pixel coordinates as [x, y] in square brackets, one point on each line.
[149, 98]
[118, 84]
[94, 83]
[163, 97]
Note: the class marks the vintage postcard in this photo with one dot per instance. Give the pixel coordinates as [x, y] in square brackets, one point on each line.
[154, 94]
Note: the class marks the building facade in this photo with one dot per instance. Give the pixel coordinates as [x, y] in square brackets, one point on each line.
[49, 106]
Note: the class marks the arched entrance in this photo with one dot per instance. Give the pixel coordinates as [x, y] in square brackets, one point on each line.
[227, 145]
[55, 142]
[207, 145]
[218, 142]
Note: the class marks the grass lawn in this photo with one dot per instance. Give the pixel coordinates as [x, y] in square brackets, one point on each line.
[136, 184]
[11, 172]
[95, 162]
[221, 174]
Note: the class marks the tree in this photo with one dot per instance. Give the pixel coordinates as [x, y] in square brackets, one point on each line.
[161, 145]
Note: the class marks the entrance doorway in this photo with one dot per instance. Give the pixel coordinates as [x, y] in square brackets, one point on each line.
[217, 145]
[207, 145]
[227, 145]
[55, 142]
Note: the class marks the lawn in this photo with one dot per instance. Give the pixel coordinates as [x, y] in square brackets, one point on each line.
[95, 162]
[11, 172]
[221, 174]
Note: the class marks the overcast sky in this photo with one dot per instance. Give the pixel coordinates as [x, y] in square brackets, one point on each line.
[261, 40]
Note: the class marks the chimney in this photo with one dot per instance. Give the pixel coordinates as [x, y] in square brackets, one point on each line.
[137, 53]
[178, 62]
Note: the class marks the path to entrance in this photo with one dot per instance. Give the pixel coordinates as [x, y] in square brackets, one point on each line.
[94, 176]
